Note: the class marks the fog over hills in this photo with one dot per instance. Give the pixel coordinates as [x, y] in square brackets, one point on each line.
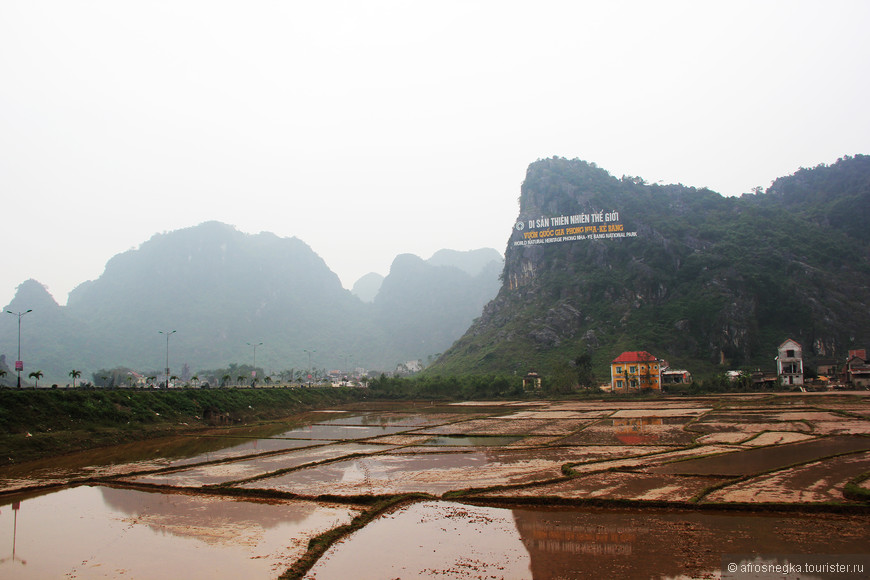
[595, 265]
[224, 291]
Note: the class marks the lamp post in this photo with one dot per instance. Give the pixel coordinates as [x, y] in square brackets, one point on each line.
[168, 333]
[347, 372]
[254, 372]
[19, 364]
[309, 366]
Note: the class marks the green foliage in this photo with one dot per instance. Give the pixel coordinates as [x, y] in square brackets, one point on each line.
[709, 284]
[468, 387]
[59, 420]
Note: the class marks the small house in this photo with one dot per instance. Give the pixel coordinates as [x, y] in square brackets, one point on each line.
[531, 381]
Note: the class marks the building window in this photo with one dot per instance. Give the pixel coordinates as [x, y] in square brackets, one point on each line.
[618, 370]
[789, 353]
[619, 384]
[632, 369]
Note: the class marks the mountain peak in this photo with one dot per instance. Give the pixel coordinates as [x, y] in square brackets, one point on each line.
[598, 265]
[31, 294]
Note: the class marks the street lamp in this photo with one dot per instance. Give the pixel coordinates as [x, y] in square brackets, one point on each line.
[347, 372]
[309, 365]
[168, 333]
[19, 364]
[254, 372]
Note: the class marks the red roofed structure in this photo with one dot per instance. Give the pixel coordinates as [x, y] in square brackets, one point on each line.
[635, 370]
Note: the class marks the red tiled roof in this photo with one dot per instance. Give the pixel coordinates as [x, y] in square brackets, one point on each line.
[635, 356]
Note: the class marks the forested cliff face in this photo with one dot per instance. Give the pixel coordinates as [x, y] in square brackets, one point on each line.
[598, 265]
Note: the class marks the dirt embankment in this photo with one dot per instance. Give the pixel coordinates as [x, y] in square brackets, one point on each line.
[42, 423]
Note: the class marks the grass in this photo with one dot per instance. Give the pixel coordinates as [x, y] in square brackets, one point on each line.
[39, 423]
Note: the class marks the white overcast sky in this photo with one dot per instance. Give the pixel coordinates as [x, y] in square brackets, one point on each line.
[369, 129]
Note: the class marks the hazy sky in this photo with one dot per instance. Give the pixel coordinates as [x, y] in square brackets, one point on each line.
[369, 129]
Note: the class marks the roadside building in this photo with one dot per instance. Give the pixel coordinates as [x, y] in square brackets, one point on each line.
[857, 369]
[676, 376]
[635, 371]
[762, 381]
[826, 367]
[789, 363]
[531, 381]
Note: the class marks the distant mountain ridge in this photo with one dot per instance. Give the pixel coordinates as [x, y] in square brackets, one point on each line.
[704, 281]
[224, 291]
[472, 262]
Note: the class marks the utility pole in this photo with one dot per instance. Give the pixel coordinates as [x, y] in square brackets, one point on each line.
[19, 364]
[309, 366]
[168, 334]
[254, 371]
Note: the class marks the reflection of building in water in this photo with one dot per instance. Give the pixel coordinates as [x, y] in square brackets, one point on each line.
[632, 430]
[546, 534]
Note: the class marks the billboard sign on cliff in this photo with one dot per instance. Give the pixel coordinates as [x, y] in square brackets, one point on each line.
[600, 225]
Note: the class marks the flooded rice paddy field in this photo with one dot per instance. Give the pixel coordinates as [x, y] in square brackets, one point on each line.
[562, 489]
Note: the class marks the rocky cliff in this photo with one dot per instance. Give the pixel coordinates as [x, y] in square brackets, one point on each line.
[597, 265]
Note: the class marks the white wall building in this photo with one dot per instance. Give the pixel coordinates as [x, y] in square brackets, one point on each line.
[790, 364]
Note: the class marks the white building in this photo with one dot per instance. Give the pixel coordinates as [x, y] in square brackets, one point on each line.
[790, 364]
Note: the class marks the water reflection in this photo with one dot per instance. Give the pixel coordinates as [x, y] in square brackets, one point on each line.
[633, 431]
[101, 532]
[471, 441]
[147, 455]
[430, 540]
[450, 540]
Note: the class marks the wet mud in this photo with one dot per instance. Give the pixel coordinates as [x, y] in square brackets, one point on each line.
[513, 489]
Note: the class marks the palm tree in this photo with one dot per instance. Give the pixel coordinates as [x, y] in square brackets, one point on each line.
[75, 374]
[195, 380]
[241, 379]
[35, 375]
[225, 379]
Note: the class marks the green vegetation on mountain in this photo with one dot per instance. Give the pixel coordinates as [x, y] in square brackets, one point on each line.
[709, 283]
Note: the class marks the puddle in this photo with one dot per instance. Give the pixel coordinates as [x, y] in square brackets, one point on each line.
[450, 540]
[407, 420]
[500, 426]
[146, 456]
[340, 432]
[244, 469]
[101, 532]
[431, 540]
[435, 473]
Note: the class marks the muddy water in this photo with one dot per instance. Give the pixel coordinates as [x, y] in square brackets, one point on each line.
[451, 540]
[766, 458]
[204, 517]
[101, 532]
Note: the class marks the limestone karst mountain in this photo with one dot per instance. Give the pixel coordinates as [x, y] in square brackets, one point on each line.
[222, 289]
[597, 265]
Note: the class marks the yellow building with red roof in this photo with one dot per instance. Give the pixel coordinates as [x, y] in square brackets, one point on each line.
[635, 370]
